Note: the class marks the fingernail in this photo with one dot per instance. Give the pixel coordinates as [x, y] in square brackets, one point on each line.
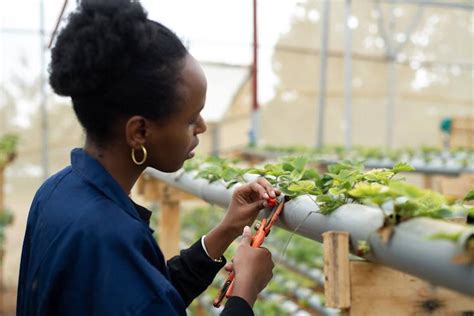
[272, 194]
[265, 195]
[246, 229]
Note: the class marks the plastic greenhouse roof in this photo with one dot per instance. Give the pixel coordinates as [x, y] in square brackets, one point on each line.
[223, 83]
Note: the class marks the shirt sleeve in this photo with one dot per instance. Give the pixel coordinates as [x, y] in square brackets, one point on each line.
[192, 271]
[237, 306]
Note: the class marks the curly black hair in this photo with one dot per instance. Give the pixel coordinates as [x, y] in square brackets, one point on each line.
[114, 63]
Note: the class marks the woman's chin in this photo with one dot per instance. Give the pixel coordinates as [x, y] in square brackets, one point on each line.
[173, 168]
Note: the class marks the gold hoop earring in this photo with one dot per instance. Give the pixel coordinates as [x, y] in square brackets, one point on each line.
[134, 159]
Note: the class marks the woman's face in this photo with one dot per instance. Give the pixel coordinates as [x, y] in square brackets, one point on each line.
[174, 140]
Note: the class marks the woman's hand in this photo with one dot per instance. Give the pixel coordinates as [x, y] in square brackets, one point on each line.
[252, 268]
[246, 202]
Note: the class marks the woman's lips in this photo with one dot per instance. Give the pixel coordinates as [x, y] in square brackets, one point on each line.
[192, 152]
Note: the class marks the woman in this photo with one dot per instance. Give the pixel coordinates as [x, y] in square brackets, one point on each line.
[88, 248]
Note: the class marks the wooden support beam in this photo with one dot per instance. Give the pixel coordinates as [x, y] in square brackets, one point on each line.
[152, 190]
[169, 225]
[336, 269]
[378, 290]
[200, 310]
[170, 198]
[361, 288]
[427, 181]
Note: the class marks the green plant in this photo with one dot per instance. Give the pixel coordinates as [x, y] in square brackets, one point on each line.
[8, 145]
[363, 247]
[446, 236]
[463, 156]
[469, 196]
[6, 218]
[345, 182]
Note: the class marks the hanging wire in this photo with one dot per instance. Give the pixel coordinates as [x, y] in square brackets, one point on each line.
[53, 35]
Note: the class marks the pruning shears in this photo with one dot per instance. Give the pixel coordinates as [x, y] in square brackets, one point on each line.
[263, 229]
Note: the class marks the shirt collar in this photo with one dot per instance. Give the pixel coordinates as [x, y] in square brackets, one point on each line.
[144, 213]
[95, 174]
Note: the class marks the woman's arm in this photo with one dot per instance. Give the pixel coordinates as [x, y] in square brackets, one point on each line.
[246, 203]
[194, 269]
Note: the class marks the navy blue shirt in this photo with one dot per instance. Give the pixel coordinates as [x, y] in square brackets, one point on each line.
[88, 250]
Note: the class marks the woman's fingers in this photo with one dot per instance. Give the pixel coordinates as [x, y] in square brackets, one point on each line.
[229, 267]
[272, 192]
[260, 189]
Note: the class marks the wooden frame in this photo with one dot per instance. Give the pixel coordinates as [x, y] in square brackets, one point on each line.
[169, 227]
[462, 133]
[359, 287]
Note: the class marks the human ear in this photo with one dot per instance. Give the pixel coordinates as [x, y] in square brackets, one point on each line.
[136, 131]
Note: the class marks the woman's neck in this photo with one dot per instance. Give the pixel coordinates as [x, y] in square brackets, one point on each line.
[117, 161]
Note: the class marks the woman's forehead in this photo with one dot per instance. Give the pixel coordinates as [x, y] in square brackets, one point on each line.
[193, 83]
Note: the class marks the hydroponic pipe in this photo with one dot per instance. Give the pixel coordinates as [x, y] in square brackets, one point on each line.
[420, 167]
[409, 250]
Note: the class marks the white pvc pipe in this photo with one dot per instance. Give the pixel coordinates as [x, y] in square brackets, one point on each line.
[409, 250]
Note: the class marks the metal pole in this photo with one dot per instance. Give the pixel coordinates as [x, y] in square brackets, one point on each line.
[433, 3]
[215, 134]
[391, 85]
[348, 76]
[322, 76]
[391, 52]
[255, 119]
[44, 113]
[391, 101]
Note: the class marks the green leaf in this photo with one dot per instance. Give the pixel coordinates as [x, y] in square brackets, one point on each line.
[284, 189]
[470, 212]
[379, 175]
[302, 186]
[288, 166]
[336, 191]
[363, 190]
[229, 174]
[402, 167]
[400, 188]
[258, 171]
[8, 145]
[363, 247]
[446, 236]
[231, 183]
[274, 170]
[192, 164]
[299, 163]
[469, 196]
[310, 174]
[437, 213]
[325, 198]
